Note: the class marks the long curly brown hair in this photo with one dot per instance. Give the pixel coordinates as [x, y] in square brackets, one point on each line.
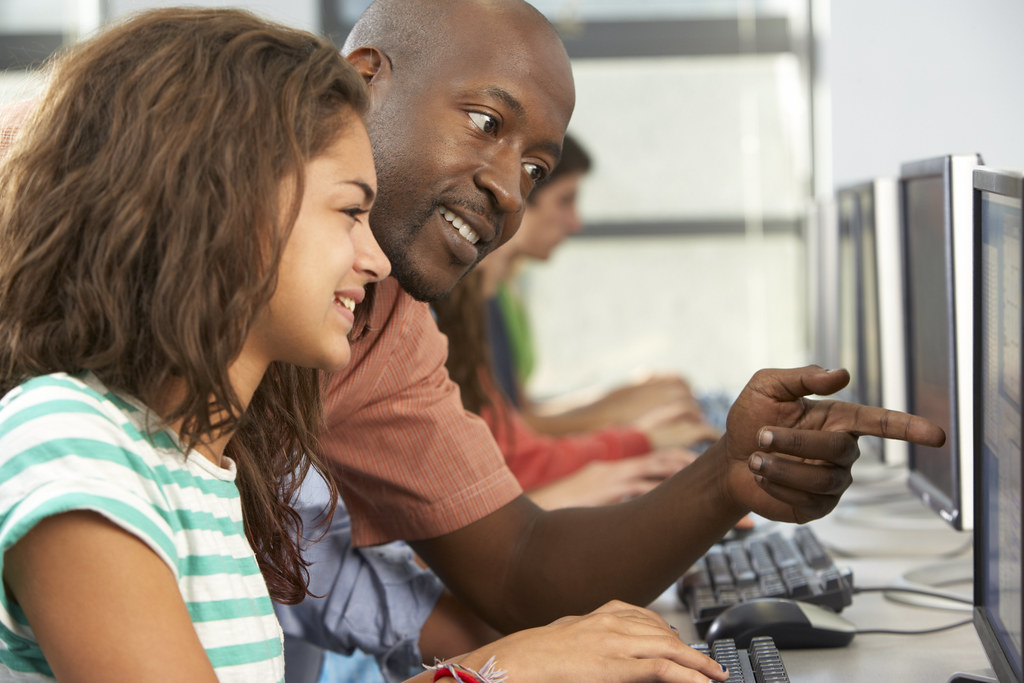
[141, 228]
[462, 317]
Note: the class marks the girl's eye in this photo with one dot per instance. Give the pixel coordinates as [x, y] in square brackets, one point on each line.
[485, 122]
[535, 171]
[355, 212]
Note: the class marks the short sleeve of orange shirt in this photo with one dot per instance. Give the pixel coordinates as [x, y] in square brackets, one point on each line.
[411, 462]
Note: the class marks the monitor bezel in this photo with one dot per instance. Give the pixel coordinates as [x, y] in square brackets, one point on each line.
[1009, 183]
[846, 195]
[955, 507]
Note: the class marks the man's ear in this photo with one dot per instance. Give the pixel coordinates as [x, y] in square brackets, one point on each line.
[371, 63]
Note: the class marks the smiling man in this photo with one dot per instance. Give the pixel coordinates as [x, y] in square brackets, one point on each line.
[470, 100]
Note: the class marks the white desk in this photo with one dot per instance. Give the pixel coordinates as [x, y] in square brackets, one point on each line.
[879, 542]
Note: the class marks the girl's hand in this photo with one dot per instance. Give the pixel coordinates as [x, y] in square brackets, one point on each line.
[617, 643]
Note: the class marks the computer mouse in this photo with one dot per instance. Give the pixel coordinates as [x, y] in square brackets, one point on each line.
[792, 624]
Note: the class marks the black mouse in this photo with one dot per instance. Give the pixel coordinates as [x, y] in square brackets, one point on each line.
[791, 623]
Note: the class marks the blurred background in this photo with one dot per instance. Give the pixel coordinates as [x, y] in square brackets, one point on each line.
[719, 130]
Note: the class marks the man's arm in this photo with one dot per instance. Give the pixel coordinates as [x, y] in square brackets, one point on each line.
[783, 456]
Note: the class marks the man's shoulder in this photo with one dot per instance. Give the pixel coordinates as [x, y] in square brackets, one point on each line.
[12, 117]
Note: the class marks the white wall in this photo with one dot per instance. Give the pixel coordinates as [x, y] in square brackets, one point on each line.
[304, 14]
[912, 79]
[714, 137]
[714, 309]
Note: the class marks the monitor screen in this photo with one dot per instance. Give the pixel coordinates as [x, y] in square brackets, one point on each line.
[936, 227]
[998, 425]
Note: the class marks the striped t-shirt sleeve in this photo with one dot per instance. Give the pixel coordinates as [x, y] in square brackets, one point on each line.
[67, 445]
[60, 451]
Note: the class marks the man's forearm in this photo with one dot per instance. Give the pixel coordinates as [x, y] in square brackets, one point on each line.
[572, 561]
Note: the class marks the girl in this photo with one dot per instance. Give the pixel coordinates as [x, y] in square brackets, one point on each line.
[184, 221]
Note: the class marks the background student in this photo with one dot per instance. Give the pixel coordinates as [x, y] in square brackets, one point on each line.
[550, 216]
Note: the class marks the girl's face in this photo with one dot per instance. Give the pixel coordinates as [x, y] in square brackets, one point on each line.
[550, 218]
[329, 258]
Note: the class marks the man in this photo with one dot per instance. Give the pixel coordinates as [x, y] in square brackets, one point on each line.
[470, 101]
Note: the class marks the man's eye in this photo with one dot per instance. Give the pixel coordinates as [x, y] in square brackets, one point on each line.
[535, 171]
[484, 122]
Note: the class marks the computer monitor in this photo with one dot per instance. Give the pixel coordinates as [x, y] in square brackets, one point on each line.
[936, 227]
[999, 286]
[870, 336]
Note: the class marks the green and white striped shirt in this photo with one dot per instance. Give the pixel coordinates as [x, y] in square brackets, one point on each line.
[67, 443]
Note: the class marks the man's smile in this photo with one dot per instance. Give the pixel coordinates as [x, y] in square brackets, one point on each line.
[460, 225]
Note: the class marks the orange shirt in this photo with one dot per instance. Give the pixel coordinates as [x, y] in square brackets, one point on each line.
[410, 461]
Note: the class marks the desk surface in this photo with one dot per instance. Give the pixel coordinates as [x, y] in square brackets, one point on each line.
[881, 532]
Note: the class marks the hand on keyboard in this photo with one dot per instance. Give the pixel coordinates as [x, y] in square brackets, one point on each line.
[617, 643]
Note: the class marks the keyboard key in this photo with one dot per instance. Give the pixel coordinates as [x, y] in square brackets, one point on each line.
[811, 547]
[761, 662]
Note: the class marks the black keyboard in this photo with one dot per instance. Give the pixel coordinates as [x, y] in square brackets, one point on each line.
[759, 663]
[783, 562]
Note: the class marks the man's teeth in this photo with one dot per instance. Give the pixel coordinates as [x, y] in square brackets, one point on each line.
[348, 303]
[461, 226]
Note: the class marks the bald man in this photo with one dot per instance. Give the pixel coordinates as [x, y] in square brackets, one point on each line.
[470, 102]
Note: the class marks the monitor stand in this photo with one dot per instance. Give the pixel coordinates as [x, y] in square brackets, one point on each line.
[973, 677]
[934, 578]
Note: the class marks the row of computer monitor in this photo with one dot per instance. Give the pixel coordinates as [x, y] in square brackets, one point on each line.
[927, 287]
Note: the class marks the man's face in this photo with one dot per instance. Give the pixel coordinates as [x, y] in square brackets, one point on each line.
[459, 145]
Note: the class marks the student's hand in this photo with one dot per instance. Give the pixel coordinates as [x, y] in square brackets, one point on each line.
[617, 643]
[654, 395]
[602, 482]
[788, 457]
[667, 429]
